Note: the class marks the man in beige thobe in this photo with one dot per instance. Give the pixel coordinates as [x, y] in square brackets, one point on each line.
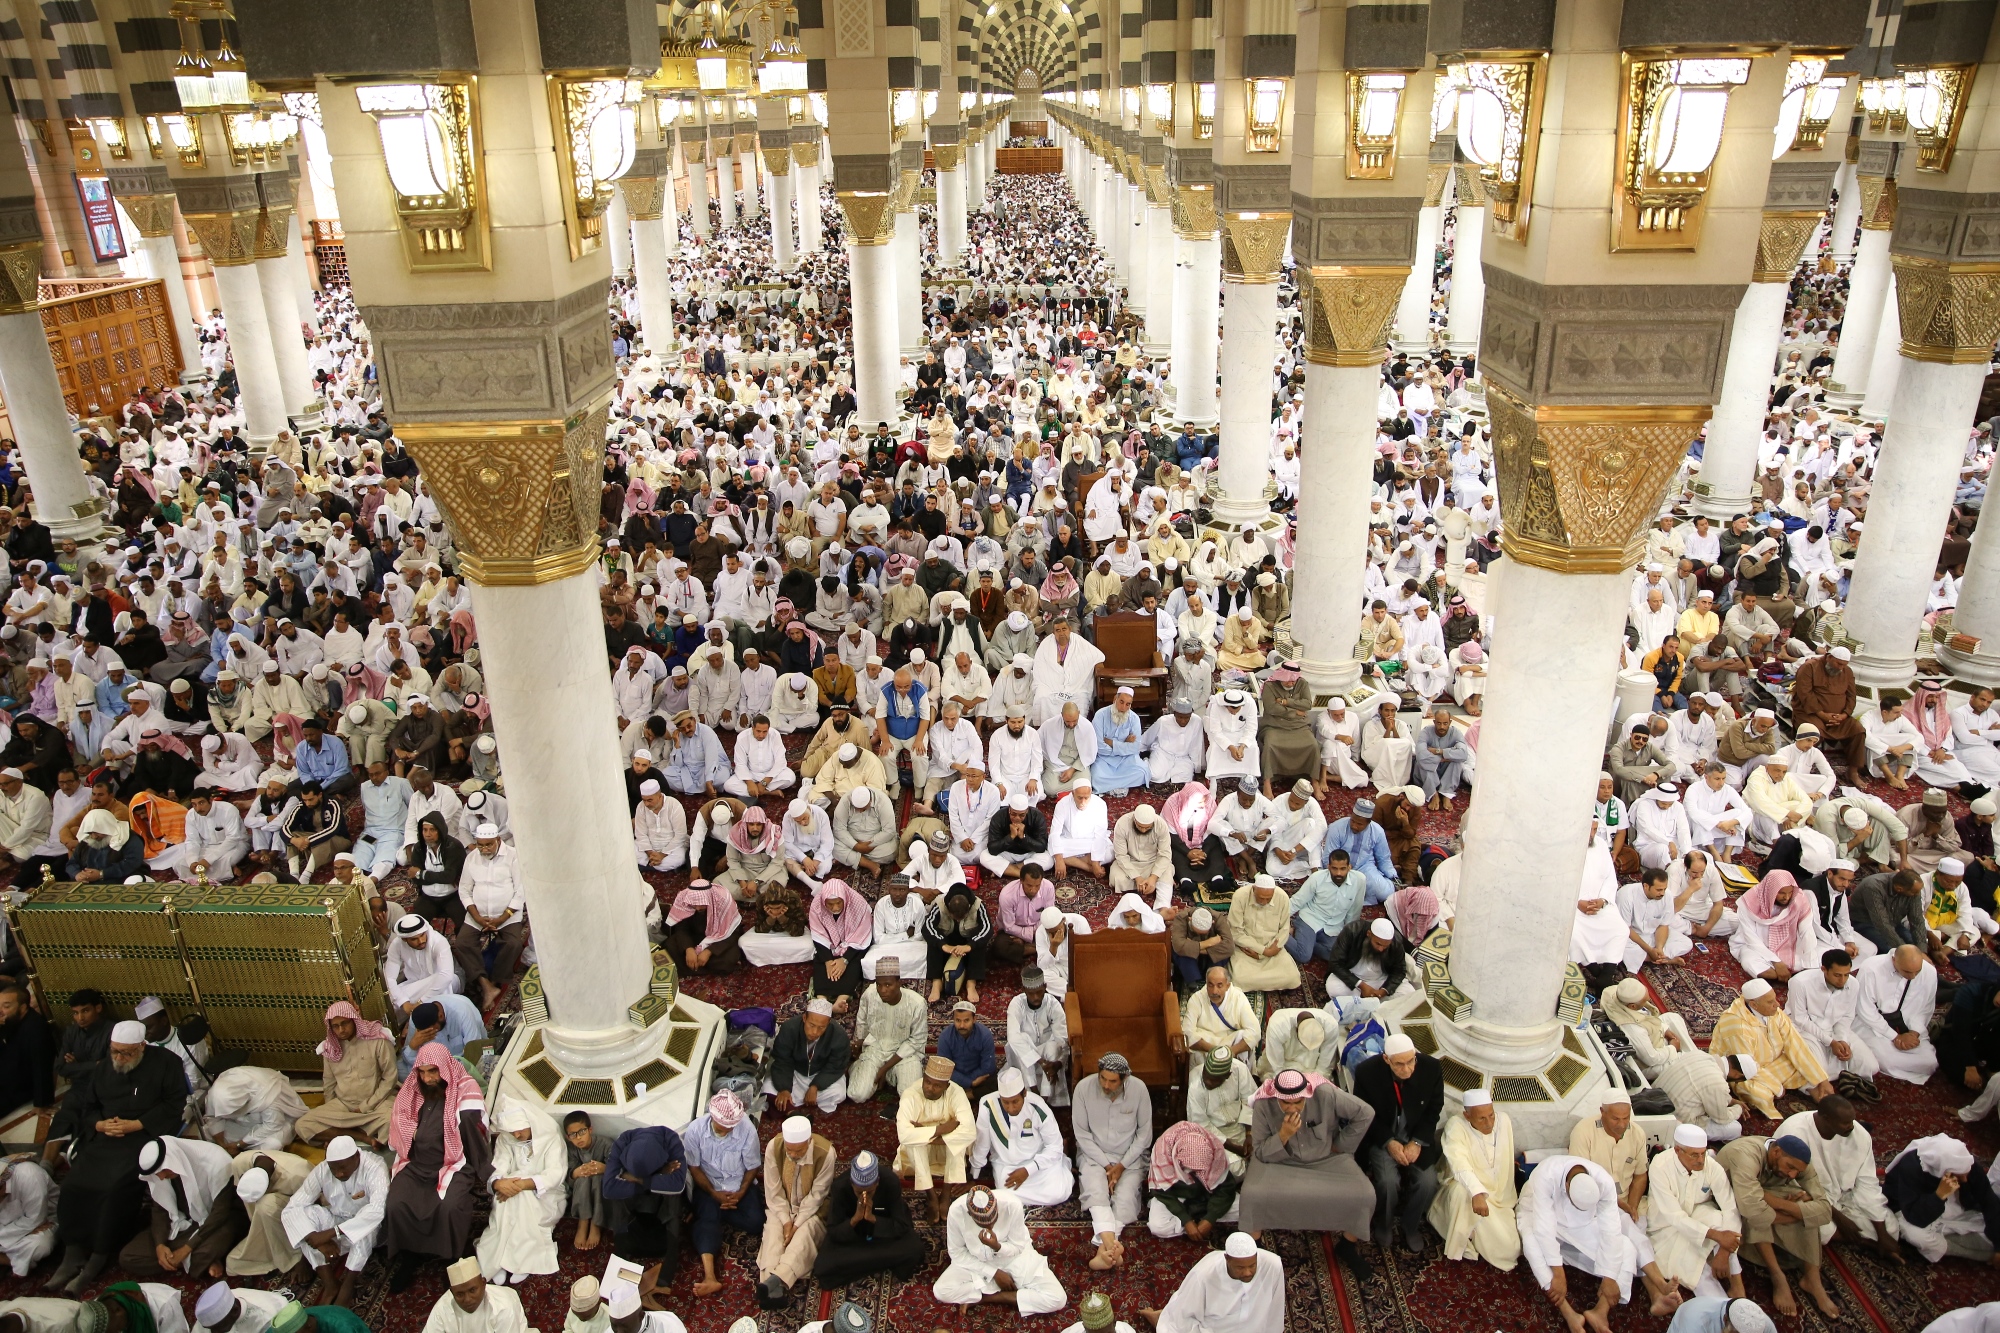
[798, 1173]
[1474, 1211]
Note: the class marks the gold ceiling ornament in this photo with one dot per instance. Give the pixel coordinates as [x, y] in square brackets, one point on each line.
[229, 239]
[1878, 202]
[1434, 182]
[1253, 246]
[1348, 314]
[521, 496]
[645, 196]
[20, 276]
[870, 215]
[152, 214]
[1194, 212]
[1950, 312]
[1671, 112]
[1781, 242]
[1578, 485]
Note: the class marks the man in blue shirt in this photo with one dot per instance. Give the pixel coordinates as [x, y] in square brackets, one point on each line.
[385, 801]
[1367, 848]
[1323, 905]
[323, 759]
[968, 1044]
[724, 1160]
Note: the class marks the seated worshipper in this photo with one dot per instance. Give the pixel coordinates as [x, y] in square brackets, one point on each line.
[864, 829]
[705, 929]
[958, 937]
[1691, 1218]
[1303, 1174]
[799, 1170]
[1221, 1101]
[1569, 1218]
[1474, 1209]
[1112, 1117]
[1638, 764]
[1755, 1026]
[585, 1151]
[1017, 837]
[1142, 857]
[1897, 748]
[1327, 903]
[1897, 1000]
[442, 1155]
[898, 931]
[970, 805]
[27, 1215]
[1220, 1017]
[1192, 1182]
[1298, 828]
[105, 851]
[1443, 760]
[778, 928]
[1414, 912]
[1777, 930]
[843, 927]
[1231, 739]
[1022, 902]
[1054, 936]
[1176, 745]
[1367, 846]
[249, 1107]
[216, 843]
[1019, 1136]
[357, 1080]
[1400, 1151]
[1339, 733]
[1656, 1036]
[1387, 747]
[1783, 1206]
[1700, 1085]
[530, 1164]
[1260, 916]
[659, 830]
[1843, 1156]
[755, 858]
[1598, 935]
[496, 914]
[723, 1160]
[1932, 835]
[473, 1305]
[1944, 1206]
[646, 1183]
[196, 1216]
[931, 868]
[265, 1182]
[1863, 829]
[1660, 828]
[868, 1227]
[1825, 1006]
[1657, 933]
[1369, 960]
[1080, 831]
[338, 1210]
[140, 1089]
[1719, 819]
[1038, 1038]
[1118, 767]
[1238, 1290]
[1131, 912]
[934, 1130]
[1297, 1039]
[1287, 746]
[1955, 924]
[809, 1061]
[992, 1256]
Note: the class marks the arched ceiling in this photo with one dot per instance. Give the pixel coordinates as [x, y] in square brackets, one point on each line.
[1042, 35]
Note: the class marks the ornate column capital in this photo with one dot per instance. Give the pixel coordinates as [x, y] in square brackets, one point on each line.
[521, 496]
[20, 276]
[152, 214]
[871, 217]
[1194, 212]
[1348, 312]
[1878, 202]
[1950, 312]
[1253, 246]
[223, 213]
[645, 196]
[1158, 192]
[1471, 186]
[1434, 181]
[948, 155]
[778, 161]
[1781, 242]
[1578, 485]
[272, 239]
[806, 154]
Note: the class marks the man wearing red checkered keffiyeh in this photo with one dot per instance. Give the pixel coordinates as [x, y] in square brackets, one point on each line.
[438, 1132]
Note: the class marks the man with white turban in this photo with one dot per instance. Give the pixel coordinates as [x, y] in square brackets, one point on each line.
[1019, 1136]
[1474, 1210]
[1176, 745]
[251, 1107]
[1691, 1217]
[1240, 1289]
[1307, 1040]
[338, 1212]
[1038, 1038]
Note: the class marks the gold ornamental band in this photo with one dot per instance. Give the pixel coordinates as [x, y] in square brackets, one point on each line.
[1950, 313]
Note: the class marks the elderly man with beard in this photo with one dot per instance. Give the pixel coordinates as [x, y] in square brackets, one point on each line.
[135, 1095]
[438, 1132]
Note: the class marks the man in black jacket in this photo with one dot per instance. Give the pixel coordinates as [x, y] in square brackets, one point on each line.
[1368, 960]
[1401, 1150]
[809, 1061]
[27, 1051]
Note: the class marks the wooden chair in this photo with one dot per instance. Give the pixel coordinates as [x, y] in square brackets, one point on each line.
[1119, 1000]
[1130, 644]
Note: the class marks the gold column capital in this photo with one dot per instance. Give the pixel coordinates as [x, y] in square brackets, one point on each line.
[272, 238]
[152, 214]
[1781, 243]
[521, 496]
[1434, 183]
[229, 239]
[778, 161]
[645, 196]
[1158, 192]
[1470, 184]
[1950, 312]
[1579, 484]
[907, 186]
[20, 276]
[1253, 246]
[806, 154]
[948, 156]
[871, 217]
[1348, 312]
[1878, 202]
[1194, 212]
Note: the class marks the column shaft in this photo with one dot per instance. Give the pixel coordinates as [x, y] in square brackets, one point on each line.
[1846, 213]
[698, 200]
[872, 279]
[670, 220]
[725, 188]
[783, 252]
[1335, 471]
[1467, 305]
[164, 259]
[1978, 613]
[1197, 298]
[909, 289]
[1249, 338]
[1413, 312]
[300, 271]
[656, 294]
[1867, 289]
[288, 346]
[40, 419]
[812, 234]
[1160, 305]
[753, 195]
[251, 348]
[1885, 367]
[618, 224]
[951, 217]
[1729, 458]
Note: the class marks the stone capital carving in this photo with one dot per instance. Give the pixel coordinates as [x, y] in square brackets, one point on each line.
[1434, 182]
[1348, 314]
[1878, 202]
[272, 237]
[948, 155]
[1158, 192]
[806, 154]
[152, 214]
[1471, 186]
[871, 218]
[645, 196]
[1578, 485]
[1253, 246]
[907, 185]
[20, 276]
[499, 361]
[1611, 343]
[521, 496]
[778, 161]
[1194, 212]
[1781, 241]
[230, 239]
[1950, 312]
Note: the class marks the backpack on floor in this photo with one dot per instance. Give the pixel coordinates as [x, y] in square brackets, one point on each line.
[1367, 1038]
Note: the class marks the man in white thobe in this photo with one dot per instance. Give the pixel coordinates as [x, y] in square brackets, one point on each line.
[1569, 1217]
[1825, 1006]
[1014, 757]
[1080, 831]
[1339, 732]
[1807, 762]
[419, 966]
[1691, 1217]
[1898, 996]
[1719, 819]
[1176, 746]
[1065, 672]
[1975, 736]
[338, 1212]
[1660, 827]
[1240, 1290]
[1474, 1209]
[1656, 933]
[1019, 1137]
[890, 1030]
[1843, 1156]
[993, 1258]
[1038, 1038]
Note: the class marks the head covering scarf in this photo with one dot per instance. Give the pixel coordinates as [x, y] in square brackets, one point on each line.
[114, 830]
[202, 1170]
[1187, 1152]
[1939, 1154]
[1782, 923]
[770, 837]
[1414, 911]
[1270, 1088]
[854, 928]
[1930, 714]
[461, 1094]
[364, 1030]
[1630, 1015]
[1188, 811]
[95, 1316]
[723, 914]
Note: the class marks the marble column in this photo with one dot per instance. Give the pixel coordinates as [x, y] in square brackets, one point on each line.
[1728, 477]
[63, 501]
[1346, 339]
[647, 200]
[1978, 616]
[784, 251]
[281, 314]
[1252, 260]
[1160, 286]
[726, 188]
[975, 176]
[1467, 304]
[1413, 311]
[230, 240]
[812, 230]
[753, 194]
[1197, 302]
[670, 211]
[1138, 291]
[1885, 367]
[618, 226]
[951, 204]
[704, 226]
[909, 287]
[1867, 290]
[871, 228]
[153, 215]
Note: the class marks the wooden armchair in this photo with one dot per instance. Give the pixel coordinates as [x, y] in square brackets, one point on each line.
[1129, 641]
[1119, 1000]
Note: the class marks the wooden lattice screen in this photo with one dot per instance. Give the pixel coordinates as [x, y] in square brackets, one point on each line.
[110, 342]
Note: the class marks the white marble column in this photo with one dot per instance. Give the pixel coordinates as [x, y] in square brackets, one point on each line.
[1338, 435]
[753, 194]
[618, 224]
[1885, 367]
[1867, 289]
[951, 214]
[1413, 312]
[1197, 298]
[975, 177]
[725, 188]
[1978, 613]
[1467, 305]
[670, 217]
[1728, 475]
[1846, 214]
[281, 315]
[909, 287]
[784, 251]
[1138, 291]
[40, 421]
[1160, 286]
[698, 200]
[650, 266]
[1249, 343]
[250, 346]
[164, 260]
[872, 279]
[1915, 479]
[812, 234]
[301, 272]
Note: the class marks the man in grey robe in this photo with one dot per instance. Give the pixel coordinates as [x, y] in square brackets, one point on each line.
[1112, 1118]
[1303, 1175]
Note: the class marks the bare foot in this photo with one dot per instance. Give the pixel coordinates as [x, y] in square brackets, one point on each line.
[707, 1287]
[1821, 1299]
[1665, 1305]
[972, 991]
[1594, 1317]
[1783, 1301]
[1571, 1318]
